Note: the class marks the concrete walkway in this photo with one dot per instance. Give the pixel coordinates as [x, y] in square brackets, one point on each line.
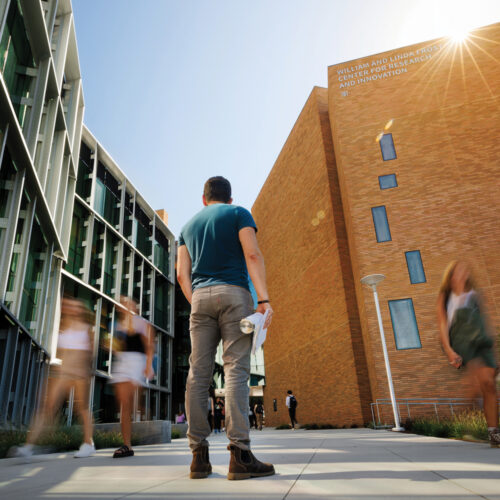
[347, 464]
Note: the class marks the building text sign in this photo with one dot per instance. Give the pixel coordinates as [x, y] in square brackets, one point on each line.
[384, 67]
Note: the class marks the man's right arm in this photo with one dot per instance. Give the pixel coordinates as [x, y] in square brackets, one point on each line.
[184, 272]
[256, 269]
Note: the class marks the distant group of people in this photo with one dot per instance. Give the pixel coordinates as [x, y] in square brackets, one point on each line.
[132, 366]
[216, 412]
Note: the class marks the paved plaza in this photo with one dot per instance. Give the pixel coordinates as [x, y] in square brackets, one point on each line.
[347, 464]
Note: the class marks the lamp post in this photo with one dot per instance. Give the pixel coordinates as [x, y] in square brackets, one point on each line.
[372, 280]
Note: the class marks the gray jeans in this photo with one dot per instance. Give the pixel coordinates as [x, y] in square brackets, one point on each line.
[216, 312]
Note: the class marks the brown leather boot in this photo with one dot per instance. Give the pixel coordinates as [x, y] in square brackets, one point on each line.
[244, 465]
[200, 466]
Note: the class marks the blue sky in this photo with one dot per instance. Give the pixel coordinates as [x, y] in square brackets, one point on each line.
[178, 91]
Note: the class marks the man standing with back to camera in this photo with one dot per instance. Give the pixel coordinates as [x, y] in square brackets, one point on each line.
[216, 247]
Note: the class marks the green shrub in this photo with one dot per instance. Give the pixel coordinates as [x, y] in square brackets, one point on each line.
[9, 439]
[282, 427]
[310, 427]
[175, 434]
[62, 438]
[315, 427]
[110, 439]
[466, 424]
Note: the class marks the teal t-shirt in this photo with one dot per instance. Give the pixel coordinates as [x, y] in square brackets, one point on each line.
[212, 240]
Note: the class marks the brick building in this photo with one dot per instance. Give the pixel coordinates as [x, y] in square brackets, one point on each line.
[393, 169]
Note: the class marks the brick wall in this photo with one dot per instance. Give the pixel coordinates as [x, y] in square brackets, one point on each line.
[310, 348]
[446, 120]
[441, 103]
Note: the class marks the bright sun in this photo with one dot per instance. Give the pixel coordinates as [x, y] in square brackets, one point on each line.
[458, 26]
[459, 34]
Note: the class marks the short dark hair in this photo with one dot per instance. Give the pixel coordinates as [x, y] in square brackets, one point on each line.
[289, 392]
[217, 189]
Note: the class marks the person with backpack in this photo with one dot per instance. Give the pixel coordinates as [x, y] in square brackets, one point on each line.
[258, 409]
[291, 403]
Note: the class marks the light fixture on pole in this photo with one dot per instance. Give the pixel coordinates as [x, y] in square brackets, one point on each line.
[372, 280]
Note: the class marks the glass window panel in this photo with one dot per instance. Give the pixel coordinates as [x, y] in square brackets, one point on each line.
[146, 291]
[99, 197]
[128, 214]
[137, 283]
[165, 359]
[125, 270]
[164, 406]
[161, 256]
[415, 267]
[161, 302]
[33, 280]
[105, 408]
[388, 181]
[387, 147]
[156, 356]
[15, 53]
[18, 241]
[153, 398]
[381, 224]
[404, 324]
[84, 177]
[96, 254]
[7, 178]
[105, 325]
[110, 263]
[76, 250]
[143, 231]
[107, 195]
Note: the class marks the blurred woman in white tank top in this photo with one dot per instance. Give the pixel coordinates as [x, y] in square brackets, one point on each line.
[74, 349]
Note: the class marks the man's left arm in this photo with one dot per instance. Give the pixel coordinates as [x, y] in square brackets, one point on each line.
[184, 272]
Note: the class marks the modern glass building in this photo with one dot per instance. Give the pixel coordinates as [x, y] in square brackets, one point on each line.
[41, 113]
[70, 222]
[120, 246]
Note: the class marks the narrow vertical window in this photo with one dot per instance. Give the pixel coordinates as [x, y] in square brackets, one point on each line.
[404, 324]
[387, 147]
[415, 267]
[381, 224]
[387, 181]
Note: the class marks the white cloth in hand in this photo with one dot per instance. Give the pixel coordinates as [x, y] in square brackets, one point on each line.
[259, 333]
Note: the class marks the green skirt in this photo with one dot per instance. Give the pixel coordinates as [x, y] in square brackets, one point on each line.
[469, 339]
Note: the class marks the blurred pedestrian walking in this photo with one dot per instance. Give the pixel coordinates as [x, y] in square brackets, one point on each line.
[465, 337]
[74, 350]
[132, 366]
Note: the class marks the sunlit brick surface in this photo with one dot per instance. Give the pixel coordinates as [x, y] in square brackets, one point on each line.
[444, 107]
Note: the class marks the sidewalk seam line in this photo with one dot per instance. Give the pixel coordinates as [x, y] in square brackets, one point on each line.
[303, 469]
[438, 474]
[151, 487]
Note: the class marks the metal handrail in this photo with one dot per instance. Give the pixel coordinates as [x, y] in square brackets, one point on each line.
[449, 402]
